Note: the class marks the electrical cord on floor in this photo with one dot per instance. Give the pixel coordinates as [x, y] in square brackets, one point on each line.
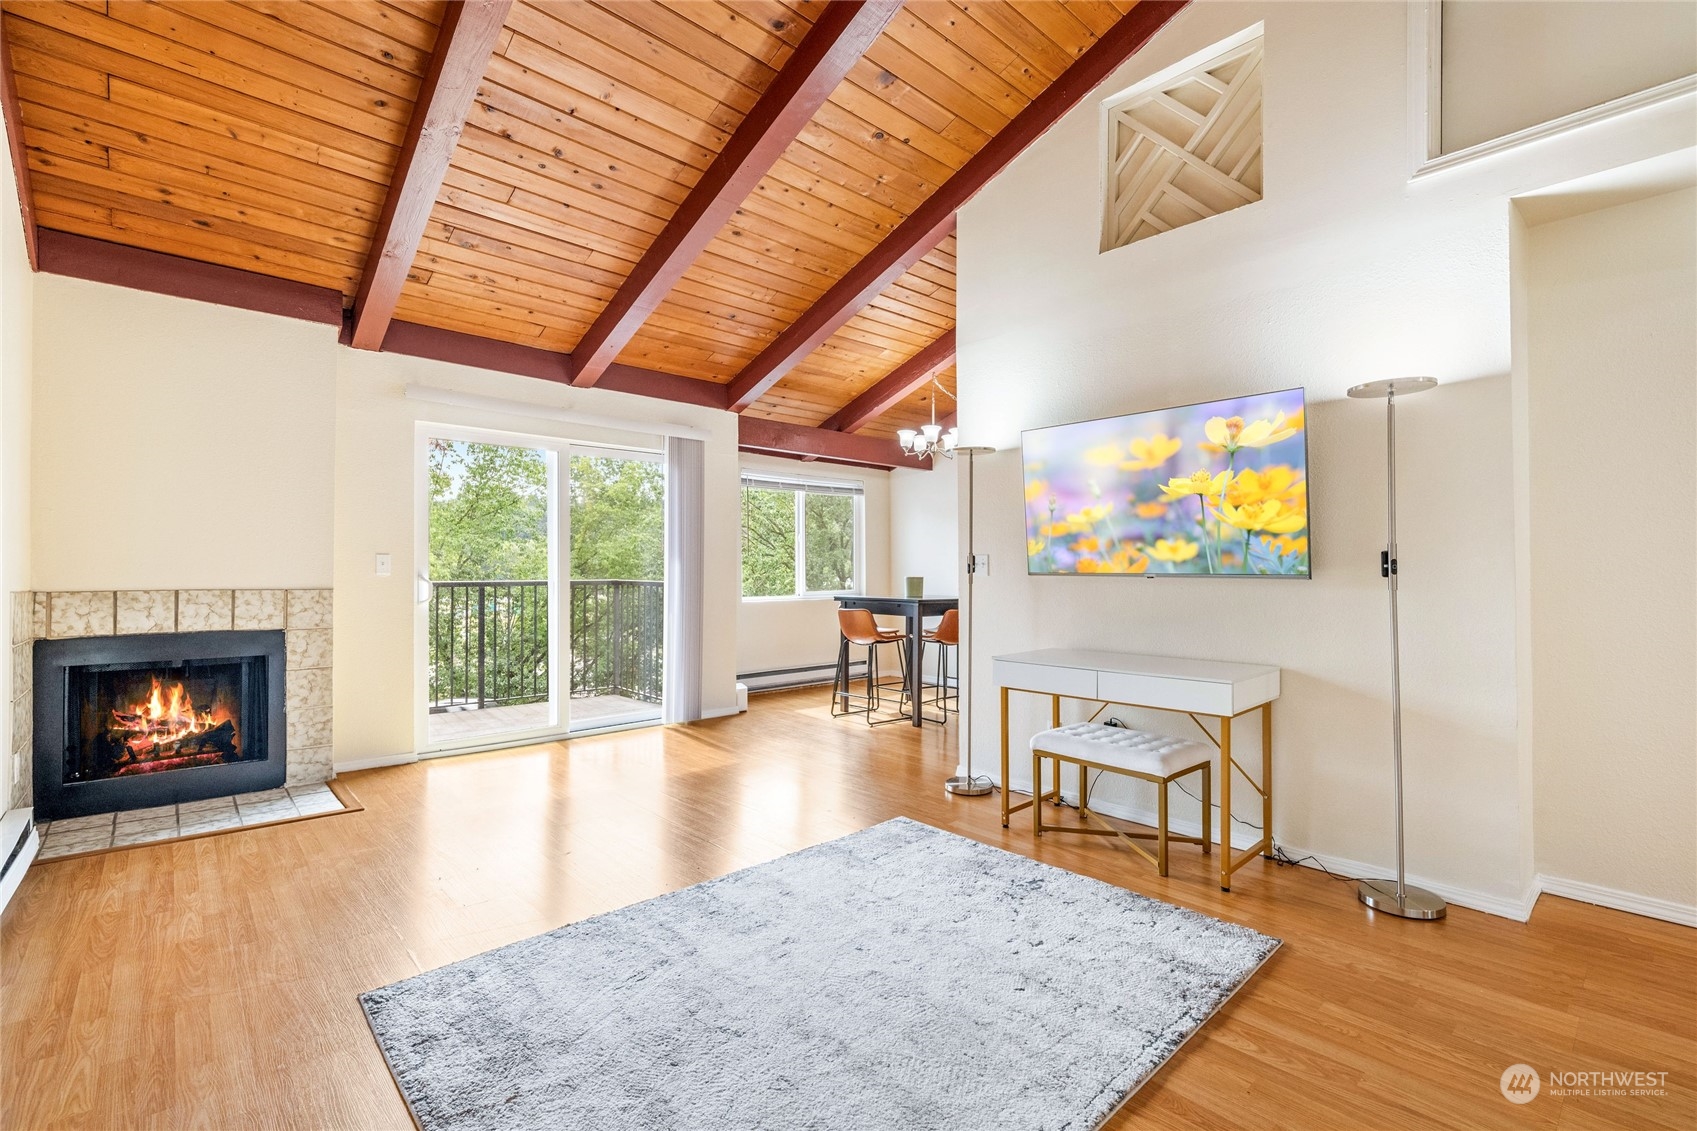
[1285, 860]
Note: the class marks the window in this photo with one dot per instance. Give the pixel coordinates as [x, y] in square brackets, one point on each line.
[799, 537]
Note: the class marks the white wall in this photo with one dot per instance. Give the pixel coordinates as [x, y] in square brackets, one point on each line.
[178, 445]
[924, 513]
[1612, 299]
[777, 634]
[1345, 272]
[376, 508]
[17, 303]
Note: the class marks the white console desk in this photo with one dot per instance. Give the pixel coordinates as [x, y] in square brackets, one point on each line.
[1193, 687]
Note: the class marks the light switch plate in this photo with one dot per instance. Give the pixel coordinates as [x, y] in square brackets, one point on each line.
[383, 565]
[981, 565]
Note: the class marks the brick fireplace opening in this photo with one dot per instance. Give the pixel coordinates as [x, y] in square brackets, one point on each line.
[133, 722]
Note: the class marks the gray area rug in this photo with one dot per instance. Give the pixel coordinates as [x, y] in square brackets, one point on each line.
[900, 978]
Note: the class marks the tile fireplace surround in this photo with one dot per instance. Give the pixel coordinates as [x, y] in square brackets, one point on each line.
[302, 614]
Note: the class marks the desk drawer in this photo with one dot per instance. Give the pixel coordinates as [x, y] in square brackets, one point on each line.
[1165, 691]
[1079, 683]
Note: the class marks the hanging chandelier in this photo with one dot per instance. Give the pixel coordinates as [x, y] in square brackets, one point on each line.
[929, 440]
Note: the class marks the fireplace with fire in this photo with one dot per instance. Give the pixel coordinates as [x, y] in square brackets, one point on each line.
[130, 722]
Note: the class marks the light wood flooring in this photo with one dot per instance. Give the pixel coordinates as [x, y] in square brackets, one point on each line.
[212, 983]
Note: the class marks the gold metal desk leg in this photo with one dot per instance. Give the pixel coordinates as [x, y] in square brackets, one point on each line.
[1037, 791]
[1225, 803]
[1055, 721]
[1004, 757]
[1267, 777]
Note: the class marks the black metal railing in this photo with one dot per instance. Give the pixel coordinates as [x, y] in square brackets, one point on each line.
[489, 641]
[617, 628]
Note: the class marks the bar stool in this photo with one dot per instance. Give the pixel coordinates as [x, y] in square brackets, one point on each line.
[860, 629]
[947, 637]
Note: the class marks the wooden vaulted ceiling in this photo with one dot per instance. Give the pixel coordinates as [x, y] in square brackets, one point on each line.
[602, 180]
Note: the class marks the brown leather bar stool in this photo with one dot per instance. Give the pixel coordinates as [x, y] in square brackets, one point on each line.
[861, 630]
[946, 636]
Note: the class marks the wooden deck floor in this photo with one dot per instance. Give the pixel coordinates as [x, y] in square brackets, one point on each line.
[212, 983]
[468, 728]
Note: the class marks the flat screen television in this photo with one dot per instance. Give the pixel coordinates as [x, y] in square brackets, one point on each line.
[1218, 489]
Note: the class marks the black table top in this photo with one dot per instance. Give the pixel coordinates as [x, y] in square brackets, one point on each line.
[923, 606]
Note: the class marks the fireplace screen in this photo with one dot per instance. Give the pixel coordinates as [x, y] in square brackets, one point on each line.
[147, 718]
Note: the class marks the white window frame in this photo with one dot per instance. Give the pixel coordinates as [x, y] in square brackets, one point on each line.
[854, 488]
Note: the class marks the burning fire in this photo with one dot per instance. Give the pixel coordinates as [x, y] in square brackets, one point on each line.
[162, 721]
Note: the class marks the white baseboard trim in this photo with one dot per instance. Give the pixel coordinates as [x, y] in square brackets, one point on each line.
[1519, 909]
[1665, 909]
[720, 712]
[1507, 907]
[375, 763]
[12, 827]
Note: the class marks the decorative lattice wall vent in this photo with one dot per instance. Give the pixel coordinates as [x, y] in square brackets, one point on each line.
[1185, 149]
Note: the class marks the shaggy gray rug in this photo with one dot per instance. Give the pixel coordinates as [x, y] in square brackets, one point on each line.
[901, 978]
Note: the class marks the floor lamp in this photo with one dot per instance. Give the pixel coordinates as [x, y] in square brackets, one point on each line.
[1381, 895]
[969, 784]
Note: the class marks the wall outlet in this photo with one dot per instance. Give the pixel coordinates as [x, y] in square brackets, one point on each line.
[384, 563]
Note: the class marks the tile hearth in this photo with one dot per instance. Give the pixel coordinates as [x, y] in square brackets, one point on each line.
[75, 835]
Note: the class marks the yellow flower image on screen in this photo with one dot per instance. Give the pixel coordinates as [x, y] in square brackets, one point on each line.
[1216, 489]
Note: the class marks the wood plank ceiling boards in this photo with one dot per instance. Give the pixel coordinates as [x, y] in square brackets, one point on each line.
[745, 204]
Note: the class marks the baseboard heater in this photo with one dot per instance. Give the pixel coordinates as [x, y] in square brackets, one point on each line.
[813, 675]
[19, 844]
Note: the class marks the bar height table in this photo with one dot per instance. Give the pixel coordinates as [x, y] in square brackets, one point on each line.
[915, 610]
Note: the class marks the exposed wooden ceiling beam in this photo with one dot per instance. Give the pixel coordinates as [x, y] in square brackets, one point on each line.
[908, 377]
[15, 141]
[415, 340]
[841, 35]
[774, 437]
[80, 257]
[914, 238]
[463, 44]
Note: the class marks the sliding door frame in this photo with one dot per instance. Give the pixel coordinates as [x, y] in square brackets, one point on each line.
[558, 451]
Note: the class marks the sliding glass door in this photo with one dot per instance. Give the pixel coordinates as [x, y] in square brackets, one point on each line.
[543, 595]
[618, 590]
[490, 633]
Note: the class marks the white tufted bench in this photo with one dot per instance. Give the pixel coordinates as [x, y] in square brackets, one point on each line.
[1120, 750]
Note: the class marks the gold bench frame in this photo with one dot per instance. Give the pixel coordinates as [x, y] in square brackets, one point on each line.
[1229, 861]
[1161, 836]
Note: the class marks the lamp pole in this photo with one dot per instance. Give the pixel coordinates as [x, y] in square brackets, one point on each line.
[1397, 899]
[969, 784]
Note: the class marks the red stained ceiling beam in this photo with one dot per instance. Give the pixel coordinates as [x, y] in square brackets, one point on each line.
[775, 438]
[841, 35]
[463, 43]
[15, 140]
[98, 261]
[908, 377]
[80, 257]
[914, 238]
[415, 340]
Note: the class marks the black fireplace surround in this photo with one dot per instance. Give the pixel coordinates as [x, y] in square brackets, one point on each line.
[131, 722]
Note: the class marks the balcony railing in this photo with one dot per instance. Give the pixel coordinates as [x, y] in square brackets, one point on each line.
[489, 641]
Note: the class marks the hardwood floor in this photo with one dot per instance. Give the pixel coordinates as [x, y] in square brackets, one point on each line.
[212, 983]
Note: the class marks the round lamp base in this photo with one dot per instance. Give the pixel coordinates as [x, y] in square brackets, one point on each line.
[1416, 903]
[963, 786]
